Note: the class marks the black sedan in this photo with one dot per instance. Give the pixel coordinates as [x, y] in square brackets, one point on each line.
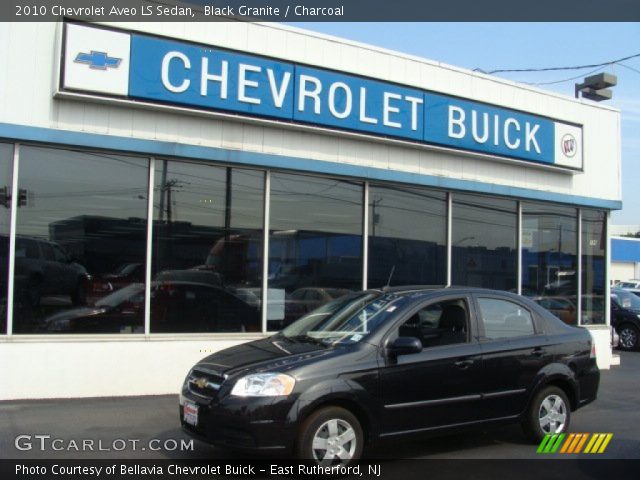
[381, 364]
[625, 318]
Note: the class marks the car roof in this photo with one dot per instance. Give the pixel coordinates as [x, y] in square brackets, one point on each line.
[429, 290]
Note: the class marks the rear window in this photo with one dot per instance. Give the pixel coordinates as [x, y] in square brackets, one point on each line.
[504, 319]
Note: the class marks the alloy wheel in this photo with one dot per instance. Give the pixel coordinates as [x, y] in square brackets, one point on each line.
[628, 338]
[334, 443]
[552, 414]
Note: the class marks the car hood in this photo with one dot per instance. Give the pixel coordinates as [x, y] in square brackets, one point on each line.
[275, 352]
[80, 312]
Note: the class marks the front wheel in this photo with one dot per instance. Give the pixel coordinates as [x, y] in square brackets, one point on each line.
[629, 336]
[548, 413]
[330, 436]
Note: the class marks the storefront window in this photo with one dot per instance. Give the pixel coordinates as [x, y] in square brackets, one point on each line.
[207, 248]
[315, 244]
[483, 242]
[549, 258]
[594, 241]
[6, 163]
[80, 242]
[407, 236]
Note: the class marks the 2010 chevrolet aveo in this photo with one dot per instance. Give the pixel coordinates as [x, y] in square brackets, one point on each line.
[384, 363]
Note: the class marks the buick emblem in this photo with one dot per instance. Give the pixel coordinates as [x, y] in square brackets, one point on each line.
[568, 145]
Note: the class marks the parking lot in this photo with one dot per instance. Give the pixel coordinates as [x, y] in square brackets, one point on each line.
[112, 423]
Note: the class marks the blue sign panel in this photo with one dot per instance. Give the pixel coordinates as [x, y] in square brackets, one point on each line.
[208, 78]
[482, 128]
[184, 74]
[354, 103]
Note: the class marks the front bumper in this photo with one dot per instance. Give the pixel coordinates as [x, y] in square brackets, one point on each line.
[245, 423]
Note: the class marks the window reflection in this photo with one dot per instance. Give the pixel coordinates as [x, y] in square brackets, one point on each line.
[207, 248]
[593, 266]
[315, 244]
[407, 236]
[80, 237]
[6, 176]
[483, 242]
[549, 258]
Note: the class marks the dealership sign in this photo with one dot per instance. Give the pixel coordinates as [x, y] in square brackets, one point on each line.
[153, 70]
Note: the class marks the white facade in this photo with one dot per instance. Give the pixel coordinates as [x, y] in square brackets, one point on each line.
[83, 366]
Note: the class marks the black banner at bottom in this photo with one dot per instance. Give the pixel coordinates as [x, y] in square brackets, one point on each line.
[533, 469]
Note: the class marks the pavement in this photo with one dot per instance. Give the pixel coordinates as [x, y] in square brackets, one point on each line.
[148, 428]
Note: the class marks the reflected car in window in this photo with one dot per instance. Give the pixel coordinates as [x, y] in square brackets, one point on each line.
[122, 276]
[176, 306]
[305, 299]
[45, 269]
[564, 308]
[383, 364]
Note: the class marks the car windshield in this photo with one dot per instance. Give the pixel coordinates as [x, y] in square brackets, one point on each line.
[626, 299]
[129, 293]
[348, 319]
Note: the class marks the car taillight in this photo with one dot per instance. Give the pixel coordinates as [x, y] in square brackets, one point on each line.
[593, 350]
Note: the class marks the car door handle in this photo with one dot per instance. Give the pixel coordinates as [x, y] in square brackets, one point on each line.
[538, 352]
[464, 364]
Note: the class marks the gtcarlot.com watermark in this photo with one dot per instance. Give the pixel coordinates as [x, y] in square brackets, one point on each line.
[48, 443]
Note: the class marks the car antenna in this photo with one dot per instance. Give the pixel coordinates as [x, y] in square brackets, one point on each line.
[393, 269]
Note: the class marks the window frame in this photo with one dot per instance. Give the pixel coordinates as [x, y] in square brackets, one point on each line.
[472, 334]
[537, 328]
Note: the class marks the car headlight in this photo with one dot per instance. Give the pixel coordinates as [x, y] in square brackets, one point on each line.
[264, 385]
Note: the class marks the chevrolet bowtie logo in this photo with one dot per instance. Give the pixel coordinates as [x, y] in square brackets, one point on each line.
[98, 60]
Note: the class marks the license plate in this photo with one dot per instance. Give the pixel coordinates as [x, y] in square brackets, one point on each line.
[190, 413]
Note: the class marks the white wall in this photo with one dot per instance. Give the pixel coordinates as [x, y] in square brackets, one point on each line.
[623, 271]
[601, 335]
[117, 367]
[66, 368]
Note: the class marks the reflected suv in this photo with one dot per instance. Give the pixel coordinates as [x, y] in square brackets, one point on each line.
[383, 364]
[43, 268]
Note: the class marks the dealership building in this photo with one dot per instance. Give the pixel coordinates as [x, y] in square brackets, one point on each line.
[170, 190]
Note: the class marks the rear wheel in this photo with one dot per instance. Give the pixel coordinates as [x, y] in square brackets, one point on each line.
[549, 412]
[330, 436]
[629, 336]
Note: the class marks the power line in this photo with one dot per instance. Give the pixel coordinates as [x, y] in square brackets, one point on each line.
[565, 80]
[549, 69]
[630, 68]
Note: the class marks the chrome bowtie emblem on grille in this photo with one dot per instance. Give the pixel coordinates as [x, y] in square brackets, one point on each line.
[201, 382]
[98, 60]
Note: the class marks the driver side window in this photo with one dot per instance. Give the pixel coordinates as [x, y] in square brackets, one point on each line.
[438, 324]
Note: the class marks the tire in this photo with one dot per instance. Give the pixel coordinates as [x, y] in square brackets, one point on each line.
[325, 430]
[629, 337]
[550, 400]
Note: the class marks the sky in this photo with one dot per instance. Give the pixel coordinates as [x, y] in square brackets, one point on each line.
[490, 46]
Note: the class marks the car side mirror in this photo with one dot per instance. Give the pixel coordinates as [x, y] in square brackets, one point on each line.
[405, 346]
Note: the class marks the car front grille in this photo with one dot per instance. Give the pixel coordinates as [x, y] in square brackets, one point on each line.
[205, 383]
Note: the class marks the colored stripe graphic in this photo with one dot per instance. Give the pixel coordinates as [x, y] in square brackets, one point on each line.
[598, 443]
[550, 443]
[574, 443]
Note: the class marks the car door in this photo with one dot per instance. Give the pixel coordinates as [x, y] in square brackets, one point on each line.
[514, 350]
[441, 384]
